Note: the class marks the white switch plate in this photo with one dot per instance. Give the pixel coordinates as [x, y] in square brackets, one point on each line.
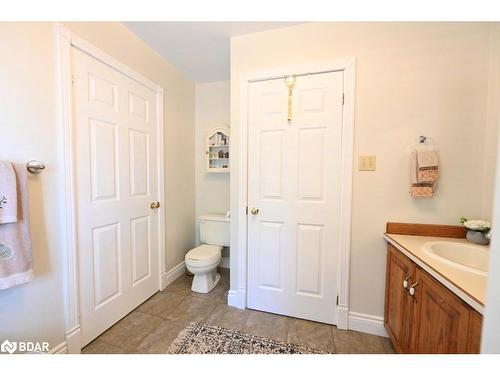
[367, 163]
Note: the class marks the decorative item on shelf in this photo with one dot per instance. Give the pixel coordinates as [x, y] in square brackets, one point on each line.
[226, 155]
[221, 154]
[478, 231]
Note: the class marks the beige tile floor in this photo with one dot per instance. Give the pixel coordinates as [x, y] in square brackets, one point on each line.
[152, 326]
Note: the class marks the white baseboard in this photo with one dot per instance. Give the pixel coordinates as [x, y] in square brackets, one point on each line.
[71, 345]
[73, 341]
[225, 263]
[163, 280]
[174, 274]
[237, 298]
[367, 323]
[59, 349]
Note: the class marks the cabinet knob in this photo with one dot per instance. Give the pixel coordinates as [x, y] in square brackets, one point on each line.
[154, 205]
[412, 289]
[405, 281]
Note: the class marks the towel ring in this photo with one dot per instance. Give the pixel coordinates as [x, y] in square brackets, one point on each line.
[35, 166]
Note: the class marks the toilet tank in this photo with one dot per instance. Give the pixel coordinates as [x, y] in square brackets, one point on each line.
[214, 229]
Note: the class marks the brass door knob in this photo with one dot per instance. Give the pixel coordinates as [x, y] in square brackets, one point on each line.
[254, 211]
[154, 205]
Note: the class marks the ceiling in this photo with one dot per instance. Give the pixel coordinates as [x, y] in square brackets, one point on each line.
[199, 49]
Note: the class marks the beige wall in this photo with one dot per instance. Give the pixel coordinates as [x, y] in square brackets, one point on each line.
[212, 109]
[33, 311]
[492, 118]
[411, 79]
[28, 122]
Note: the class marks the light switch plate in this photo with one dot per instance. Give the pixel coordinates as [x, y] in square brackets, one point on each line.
[367, 163]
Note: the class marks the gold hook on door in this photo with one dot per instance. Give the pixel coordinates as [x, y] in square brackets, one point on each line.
[290, 83]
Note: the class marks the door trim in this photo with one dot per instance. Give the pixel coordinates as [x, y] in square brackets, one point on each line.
[64, 40]
[237, 296]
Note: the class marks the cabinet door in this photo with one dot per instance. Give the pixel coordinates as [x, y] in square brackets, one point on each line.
[441, 319]
[474, 337]
[398, 303]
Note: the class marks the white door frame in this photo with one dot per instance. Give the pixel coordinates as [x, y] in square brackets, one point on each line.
[237, 296]
[65, 40]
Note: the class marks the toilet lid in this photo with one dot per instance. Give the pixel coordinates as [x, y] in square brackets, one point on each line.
[204, 252]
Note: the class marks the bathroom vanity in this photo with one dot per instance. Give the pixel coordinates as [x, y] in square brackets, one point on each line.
[433, 304]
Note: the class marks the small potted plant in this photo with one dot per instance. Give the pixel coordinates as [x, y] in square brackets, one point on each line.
[477, 230]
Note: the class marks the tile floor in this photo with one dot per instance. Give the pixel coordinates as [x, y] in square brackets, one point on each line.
[152, 326]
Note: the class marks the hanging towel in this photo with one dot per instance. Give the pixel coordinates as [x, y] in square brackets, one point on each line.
[424, 171]
[8, 193]
[428, 169]
[15, 240]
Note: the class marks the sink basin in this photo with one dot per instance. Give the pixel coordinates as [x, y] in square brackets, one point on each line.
[469, 257]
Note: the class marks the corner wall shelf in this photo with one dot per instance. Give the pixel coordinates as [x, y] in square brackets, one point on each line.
[217, 150]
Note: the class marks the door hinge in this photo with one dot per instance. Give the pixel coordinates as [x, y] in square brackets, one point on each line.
[337, 300]
[246, 211]
[343, 98]
[72, 79]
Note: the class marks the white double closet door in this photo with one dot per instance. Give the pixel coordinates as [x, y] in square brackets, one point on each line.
[294, 175]
[116, 172]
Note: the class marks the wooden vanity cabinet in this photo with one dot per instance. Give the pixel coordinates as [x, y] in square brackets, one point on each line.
[433, 320]
[398, 303]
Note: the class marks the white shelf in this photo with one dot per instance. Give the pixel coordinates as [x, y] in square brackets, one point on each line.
[214, 140]
[218, 170]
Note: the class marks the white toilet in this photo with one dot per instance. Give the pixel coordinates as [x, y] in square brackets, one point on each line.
[203, 260]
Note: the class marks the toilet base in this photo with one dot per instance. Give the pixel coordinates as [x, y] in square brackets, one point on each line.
[204, 283]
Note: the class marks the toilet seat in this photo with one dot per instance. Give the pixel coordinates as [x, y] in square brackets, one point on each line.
[204, 254]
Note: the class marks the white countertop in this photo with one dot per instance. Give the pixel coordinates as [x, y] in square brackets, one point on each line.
[470, 287]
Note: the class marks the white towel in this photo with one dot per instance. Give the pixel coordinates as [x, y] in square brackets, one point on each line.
[16, 266]
[8, 193]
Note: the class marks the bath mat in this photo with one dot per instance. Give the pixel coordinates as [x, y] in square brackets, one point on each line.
[199, 338]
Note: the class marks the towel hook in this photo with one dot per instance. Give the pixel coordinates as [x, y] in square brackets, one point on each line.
[35, 166]
[422, 139]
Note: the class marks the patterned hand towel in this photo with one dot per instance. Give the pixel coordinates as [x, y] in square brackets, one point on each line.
[8, 193]
[15, 239]
[428, 169]
[423, 172]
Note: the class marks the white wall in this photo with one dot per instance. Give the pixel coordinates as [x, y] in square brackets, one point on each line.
[28, 123]
[491, 326]
[212, 109]
[411, 79]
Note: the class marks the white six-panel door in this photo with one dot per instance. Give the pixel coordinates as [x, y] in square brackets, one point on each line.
[116, 158]
[294, 172]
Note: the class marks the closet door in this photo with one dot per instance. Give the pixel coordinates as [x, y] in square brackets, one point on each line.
[117, 182]
[294, 196]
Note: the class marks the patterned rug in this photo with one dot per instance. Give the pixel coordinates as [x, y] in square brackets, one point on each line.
[199, 338]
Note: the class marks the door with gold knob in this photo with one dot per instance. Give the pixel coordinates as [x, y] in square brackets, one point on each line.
[116, 125]
[294, 195]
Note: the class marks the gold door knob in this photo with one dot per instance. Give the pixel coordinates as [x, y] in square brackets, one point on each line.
[154, 205]
[254, 211]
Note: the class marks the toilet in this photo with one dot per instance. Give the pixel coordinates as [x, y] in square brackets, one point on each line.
[202, 261]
